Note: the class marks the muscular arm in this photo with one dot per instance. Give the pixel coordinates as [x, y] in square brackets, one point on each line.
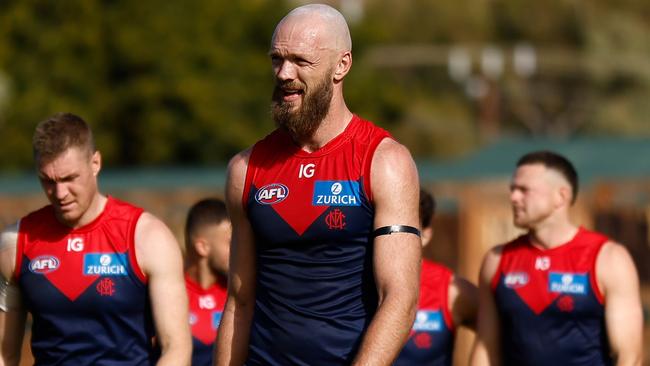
[395, 191]
[159, 257]
[12, 315]
[234, 330]
[619, 282]
[463, 302]
[487, 345]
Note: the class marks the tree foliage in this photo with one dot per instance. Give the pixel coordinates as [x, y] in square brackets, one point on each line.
[188, 82]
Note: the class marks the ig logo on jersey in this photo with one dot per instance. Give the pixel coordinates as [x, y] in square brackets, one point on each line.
[75, 245]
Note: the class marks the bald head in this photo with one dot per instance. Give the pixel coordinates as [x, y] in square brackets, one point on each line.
[319, 23]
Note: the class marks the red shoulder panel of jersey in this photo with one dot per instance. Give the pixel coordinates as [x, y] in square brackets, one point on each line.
[434, 289]
[534, 273]
[59, 252]
[206, 307]
[276, 159]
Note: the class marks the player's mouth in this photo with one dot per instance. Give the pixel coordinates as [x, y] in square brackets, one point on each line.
[290, 95]
[65, 206]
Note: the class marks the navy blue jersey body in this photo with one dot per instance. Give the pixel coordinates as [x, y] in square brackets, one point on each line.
[431, 342]
[87, 295]
[549, 304]
[312, 217]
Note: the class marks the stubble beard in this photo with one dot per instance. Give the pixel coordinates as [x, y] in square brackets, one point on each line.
[303, 122]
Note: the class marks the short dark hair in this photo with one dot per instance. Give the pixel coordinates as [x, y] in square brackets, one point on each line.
[557, 162]
[58, 133]
[427, 208]
[208, 211]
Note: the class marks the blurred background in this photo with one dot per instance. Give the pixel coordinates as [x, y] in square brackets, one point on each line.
[173, 89]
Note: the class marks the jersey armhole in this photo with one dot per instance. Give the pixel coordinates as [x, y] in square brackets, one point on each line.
[446, 311]
[18, 261]
[248, 180]
[372, 147]
[132, 255]
[497, 274]
[594, 279]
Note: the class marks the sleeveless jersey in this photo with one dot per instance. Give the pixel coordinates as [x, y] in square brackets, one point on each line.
[431, 341]
[312, 217]
[85, 291]
[550, 307]
[206, 307]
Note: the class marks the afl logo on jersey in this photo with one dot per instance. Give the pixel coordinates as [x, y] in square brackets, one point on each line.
[271, 194]
[44, 264]
[515, 279]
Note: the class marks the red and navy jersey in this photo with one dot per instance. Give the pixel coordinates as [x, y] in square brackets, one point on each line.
[431, 341]
[206, 307]
[550, 307]
[312, 217]
[85, 291]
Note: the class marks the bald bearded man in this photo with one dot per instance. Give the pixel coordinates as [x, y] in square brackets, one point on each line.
[326, 251]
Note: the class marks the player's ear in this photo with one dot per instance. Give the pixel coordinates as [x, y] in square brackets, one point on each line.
[96, 162]
[201, 246]
[564, 195]
[426, 235]
[343, 66]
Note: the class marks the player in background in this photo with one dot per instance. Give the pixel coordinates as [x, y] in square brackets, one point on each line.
[559, 294]
[446, 302]
[207, 246]
[102, 279]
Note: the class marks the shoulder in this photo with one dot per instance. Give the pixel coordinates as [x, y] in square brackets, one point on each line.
[393, 160]
[151, 234]
[9, 236]
[491, 262]
[612, 258]
[236, 174]
[155, 244]
[365, 129]
[615, 270]
[394, 184]
[8, 241]
[37, 220]
[461, 286]
[239, 162]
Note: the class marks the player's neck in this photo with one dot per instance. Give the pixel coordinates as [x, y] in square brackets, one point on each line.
[334, 123]
[553, 233]
[95, 209]
[201, 274]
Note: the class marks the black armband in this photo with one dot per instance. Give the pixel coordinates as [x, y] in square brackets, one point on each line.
[387, 230]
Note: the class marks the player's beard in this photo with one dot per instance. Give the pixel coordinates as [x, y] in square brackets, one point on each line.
[302, 122]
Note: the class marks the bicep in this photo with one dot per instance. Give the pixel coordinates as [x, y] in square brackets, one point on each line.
[10, 296]
[486, 347]
[8, 243]
[623, 311]
[463, 302]
[12, 330]
[395, 191]
[241, 274]
[160, 258]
